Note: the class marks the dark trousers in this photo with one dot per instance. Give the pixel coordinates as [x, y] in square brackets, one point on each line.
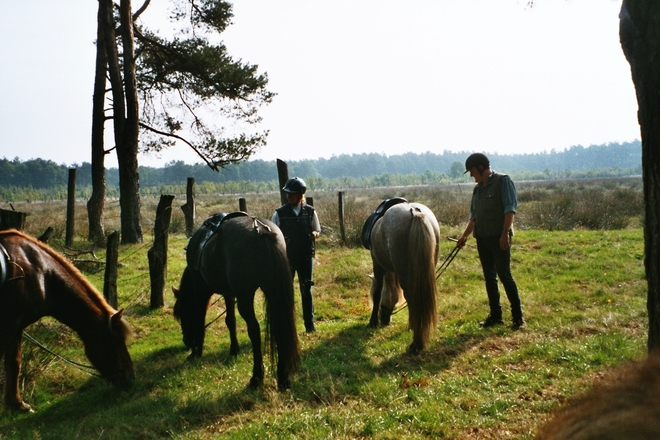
[496, 262]
[305, 269]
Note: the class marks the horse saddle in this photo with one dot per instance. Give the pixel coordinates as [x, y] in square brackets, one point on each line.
[202, 235]
[378, 213]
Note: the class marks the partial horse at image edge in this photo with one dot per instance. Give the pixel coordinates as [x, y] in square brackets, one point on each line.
[625, 406]
[244, 254]
[405, 244]
[40, 282]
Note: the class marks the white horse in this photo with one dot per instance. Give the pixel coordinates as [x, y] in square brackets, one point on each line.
[404, 245]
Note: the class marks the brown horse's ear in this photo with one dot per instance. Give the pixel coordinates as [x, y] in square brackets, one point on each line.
[117, 323]
[175, 291]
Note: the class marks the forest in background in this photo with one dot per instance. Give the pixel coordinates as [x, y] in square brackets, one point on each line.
[39, 179]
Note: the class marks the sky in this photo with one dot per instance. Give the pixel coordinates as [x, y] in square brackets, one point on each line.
[352, 76]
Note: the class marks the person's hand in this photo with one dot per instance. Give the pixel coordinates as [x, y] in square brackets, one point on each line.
[315, 233]
[505, 240]
[461, 241]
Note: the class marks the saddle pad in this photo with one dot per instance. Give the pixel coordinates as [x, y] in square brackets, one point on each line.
[378, 213]
[202, 235]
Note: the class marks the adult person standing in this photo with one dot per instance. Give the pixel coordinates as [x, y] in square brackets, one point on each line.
[300, 225]
[492, 211]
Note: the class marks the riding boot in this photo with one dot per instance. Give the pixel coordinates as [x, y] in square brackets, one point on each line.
[517, 316]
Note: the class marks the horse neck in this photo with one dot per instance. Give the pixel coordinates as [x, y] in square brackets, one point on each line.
[77, 306]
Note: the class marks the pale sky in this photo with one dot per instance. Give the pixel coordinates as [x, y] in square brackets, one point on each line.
[352, 76]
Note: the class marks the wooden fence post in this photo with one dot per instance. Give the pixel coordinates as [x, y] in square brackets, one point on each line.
[71, 208]
[189, 210]
[342, 230]
[158, 253]
[283, 176]
[12, 219]
[242, 205]
[110, 277]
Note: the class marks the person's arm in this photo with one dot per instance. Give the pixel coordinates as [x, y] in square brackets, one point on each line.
[275, 219]
[466, 234]
[316, 225]
[507, 231]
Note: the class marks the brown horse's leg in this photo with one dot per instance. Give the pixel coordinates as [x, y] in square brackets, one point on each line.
[246, 309]
[13, 353]
[230, 321]
[376, 295]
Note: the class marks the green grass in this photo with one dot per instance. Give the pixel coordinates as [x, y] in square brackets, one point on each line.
[584, 297]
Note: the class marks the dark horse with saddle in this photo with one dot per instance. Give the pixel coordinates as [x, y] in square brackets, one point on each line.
[233, 255]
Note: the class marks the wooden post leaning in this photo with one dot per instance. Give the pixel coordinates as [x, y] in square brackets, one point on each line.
[157, 255]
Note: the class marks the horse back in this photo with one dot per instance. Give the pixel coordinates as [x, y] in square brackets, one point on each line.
[238, 253]
[390, 237]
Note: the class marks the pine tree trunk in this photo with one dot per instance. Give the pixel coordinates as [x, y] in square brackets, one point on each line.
[639, 34]
[96, 203]
[127, 150]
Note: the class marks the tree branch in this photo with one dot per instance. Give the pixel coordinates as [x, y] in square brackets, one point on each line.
[212, 165]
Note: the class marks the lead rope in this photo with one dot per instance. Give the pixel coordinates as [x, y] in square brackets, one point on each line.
[84, 368]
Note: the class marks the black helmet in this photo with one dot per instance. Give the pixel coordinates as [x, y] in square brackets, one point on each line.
[475, 160]
[295, 186]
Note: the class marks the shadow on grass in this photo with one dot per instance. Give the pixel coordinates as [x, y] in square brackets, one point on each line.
[337, 366]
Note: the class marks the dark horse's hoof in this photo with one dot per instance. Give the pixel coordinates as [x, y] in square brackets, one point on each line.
[255, 382]
[415, 349]
[284, 385]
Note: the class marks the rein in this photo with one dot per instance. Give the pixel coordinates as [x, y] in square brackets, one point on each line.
[81, 367]
[217, 317]
[445, 264]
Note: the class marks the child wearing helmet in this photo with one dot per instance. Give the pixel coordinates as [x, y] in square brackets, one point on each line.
[300, 225]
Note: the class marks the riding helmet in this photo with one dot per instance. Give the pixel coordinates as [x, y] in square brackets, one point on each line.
[295, 186]
[475, 160]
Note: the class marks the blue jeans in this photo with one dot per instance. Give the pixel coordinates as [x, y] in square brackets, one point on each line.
[497, 262]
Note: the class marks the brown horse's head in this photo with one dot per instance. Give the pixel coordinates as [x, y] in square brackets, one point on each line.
[192, 299]
[108, 352]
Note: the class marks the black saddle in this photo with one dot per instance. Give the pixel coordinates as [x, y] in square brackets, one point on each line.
[378, 213]
[202, 235]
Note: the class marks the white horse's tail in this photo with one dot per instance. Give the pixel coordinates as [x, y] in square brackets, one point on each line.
[420, 289]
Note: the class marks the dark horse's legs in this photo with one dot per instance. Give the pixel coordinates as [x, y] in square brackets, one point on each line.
[11, 348]
[246, 309]
[230, 321]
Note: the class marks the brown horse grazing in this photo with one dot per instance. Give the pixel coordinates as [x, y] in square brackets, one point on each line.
[236, 257]
[404, 244]
[625, 407]
[40, 282]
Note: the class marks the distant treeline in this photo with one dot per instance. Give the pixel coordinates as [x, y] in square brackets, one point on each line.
[343, 171]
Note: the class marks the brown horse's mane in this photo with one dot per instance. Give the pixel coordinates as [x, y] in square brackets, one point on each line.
[74, 271]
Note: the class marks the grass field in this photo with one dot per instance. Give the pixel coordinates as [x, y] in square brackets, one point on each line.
[583, 292]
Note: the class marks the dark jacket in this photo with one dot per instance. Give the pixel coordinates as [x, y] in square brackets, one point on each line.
[489, 208]
[297, 230]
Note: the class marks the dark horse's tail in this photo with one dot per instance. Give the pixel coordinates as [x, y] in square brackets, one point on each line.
[421, 288]
[277, 286]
